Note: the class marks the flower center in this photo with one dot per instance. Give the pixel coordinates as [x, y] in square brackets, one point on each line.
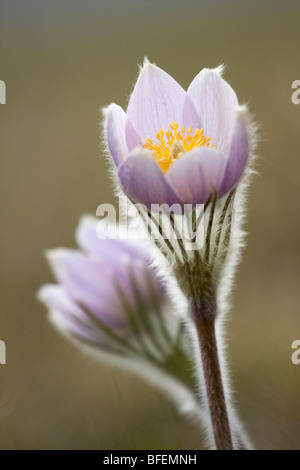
[177, 142]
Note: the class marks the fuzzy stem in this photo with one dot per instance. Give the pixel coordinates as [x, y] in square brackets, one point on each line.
[205, 326]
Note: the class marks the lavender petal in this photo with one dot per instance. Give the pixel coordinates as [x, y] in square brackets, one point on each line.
[144, 182]
[156, 101]
[238, 156]
[196, 174]
[115, 126]
[216, 103]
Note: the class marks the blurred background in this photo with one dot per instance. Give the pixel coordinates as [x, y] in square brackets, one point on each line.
[61, 62]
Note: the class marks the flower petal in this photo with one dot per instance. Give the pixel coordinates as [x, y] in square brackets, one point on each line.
[115, 126]
[90, 238]
[144, 182]
[238, 155]
[125, 256]
[156, 101]
[88, 282]
[132, 137]
[194, 175]
[216, 104]
[66, 313]
[190, 117]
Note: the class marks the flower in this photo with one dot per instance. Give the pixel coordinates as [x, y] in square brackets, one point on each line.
[107, 294]
[108, 297]
[176, 147]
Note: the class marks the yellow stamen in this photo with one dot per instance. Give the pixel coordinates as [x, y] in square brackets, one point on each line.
[175, 145]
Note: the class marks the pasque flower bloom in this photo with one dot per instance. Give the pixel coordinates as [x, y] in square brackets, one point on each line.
[109, 298]
[173, 146]
[108, 295]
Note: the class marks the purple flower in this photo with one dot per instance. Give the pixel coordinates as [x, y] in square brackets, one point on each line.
[106, 294]
[173, 146]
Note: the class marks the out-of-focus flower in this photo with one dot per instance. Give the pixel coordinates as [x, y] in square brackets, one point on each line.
[173, 146]
[108, 295]
[109, 298]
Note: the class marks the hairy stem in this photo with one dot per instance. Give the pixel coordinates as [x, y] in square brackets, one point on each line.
[205, 326]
